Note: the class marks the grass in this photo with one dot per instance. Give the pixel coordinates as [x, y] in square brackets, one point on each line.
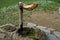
[34, 35]
[58, 1]
[10, 7]
[6, 3]
[9, 10]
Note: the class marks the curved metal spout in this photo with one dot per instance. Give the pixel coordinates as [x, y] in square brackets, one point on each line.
[28, 7]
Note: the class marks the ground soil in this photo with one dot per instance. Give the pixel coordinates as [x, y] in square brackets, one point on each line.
[49, 19]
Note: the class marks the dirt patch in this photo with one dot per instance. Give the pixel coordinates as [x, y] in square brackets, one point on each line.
[49, 19]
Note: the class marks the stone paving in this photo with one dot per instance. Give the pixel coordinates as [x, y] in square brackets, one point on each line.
[50, 33]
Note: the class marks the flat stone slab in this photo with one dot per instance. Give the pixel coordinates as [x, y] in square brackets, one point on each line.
[31, 25]
[51, 37]
[57, 34]
[43, 29]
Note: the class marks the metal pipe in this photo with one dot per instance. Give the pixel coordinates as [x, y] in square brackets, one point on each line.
[21, 13]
